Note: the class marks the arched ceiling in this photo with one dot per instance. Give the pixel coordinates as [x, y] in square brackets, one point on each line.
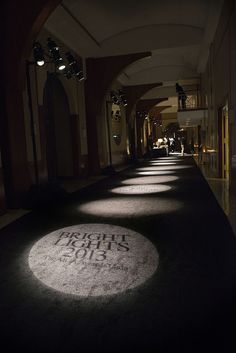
[177, 33]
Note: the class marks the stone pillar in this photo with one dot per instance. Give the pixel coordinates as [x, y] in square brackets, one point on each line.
[133, 94]
[101, 72]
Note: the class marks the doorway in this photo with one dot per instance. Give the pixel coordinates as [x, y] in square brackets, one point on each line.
[59, 151]
[223, 127]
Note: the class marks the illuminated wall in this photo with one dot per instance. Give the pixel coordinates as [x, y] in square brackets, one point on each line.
[219, 84]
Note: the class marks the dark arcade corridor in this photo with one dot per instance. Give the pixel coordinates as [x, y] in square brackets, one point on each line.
[171, 284]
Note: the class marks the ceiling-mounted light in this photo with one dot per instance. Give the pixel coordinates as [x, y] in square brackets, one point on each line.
[80, 76]
[122, 98]
[54, 51]
[38, 54]
[118, 97]
[114, 98]
[68, 74]
[124, 102]
[74, 65]
[60, 65]
[71, 60]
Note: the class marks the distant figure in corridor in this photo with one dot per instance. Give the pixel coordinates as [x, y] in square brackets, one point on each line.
[192, 145]
[150, 145]
[183, 145]
[168, 146]
[172, 145]
[181, 96]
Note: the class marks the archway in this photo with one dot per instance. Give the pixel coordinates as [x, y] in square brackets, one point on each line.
[59, 152]
[13, 141]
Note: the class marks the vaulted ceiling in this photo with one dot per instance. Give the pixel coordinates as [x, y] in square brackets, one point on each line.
[177, 33]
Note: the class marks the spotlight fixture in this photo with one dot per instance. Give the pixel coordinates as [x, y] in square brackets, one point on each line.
[72, 62]
[54, 51]
[71, 59]
[142, 114]
[114, 98]
[74, 67]
[38, 54]
[118, 97]
[80, 76]
[121, 93]
[68, 74]
[122, 97]
[61, 66]
[156, 120]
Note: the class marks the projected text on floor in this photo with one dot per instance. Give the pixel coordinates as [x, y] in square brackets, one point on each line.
[93, 259]
[90, 246]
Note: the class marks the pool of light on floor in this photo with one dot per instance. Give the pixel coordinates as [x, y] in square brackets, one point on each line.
[130, 206]
[163, 163]
[149, 172]
[157, 172]
[169, 167]
[159, 179]
[91, 260]
[166, 159]
[141, 189]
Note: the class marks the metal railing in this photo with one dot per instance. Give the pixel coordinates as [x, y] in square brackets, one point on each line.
[189, 100]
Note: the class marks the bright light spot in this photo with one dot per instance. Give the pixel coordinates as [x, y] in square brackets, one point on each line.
[164, 163]
[141, 189]
[160, 172]
[129, 207]
[174, 167]
[148, 172]
[61, 67]
[166, 158]
[150, 180]
[93, 259]
[40, 63]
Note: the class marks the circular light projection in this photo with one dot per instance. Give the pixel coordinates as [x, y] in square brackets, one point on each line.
[158, 172]
[160, 163]
[148, 172]
[141, 189]
[167, 158]
[93, 259]
[171, 167]
[164, 163]
[150, 180]
[129, 206]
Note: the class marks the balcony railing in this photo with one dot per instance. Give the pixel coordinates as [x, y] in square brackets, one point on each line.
[189, 100]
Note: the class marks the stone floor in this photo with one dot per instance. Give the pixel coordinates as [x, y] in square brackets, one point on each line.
[223, 192]
[142, 261]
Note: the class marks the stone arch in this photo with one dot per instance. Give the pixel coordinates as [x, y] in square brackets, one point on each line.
[21, 26]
